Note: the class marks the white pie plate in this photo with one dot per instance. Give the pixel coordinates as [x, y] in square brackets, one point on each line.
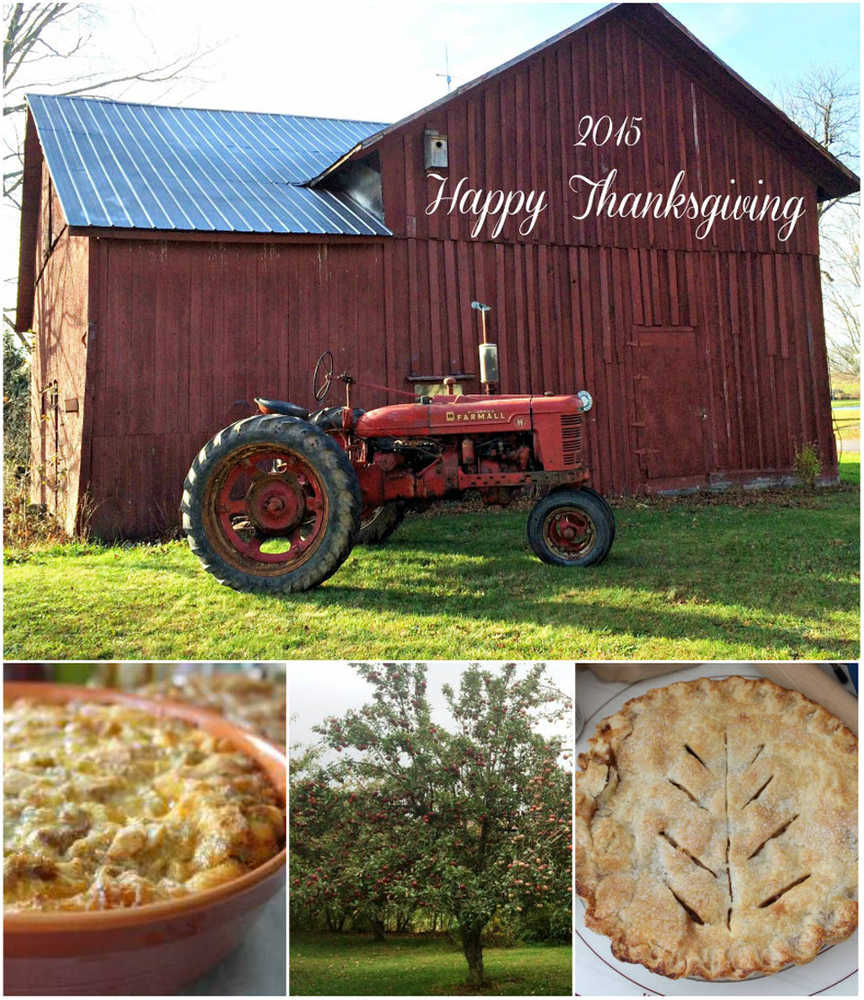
[598, 973]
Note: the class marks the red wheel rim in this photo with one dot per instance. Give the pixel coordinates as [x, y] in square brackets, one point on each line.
[569, 532]
[265, 495]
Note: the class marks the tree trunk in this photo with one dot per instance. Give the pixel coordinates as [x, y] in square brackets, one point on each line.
[473, 951]
[377, 928]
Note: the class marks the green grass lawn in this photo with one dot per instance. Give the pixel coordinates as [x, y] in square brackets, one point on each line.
[354, 965]
[752, 577]
[847, 425]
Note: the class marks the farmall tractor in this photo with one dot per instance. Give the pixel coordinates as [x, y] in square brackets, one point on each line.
[277, 501]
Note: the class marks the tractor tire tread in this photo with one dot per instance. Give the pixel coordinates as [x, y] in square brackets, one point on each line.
[340, 481]
[386, 522]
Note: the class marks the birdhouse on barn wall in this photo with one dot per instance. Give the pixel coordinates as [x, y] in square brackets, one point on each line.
[434, 149]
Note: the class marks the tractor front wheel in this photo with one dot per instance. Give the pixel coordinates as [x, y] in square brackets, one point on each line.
[571, 528]
[272, 504]
[377, 525]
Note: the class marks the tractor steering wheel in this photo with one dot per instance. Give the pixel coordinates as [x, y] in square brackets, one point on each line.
[322, 376]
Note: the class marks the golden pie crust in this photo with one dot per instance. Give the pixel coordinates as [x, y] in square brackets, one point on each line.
[716, 829]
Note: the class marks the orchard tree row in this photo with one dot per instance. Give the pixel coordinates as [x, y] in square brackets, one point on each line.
[411, 825]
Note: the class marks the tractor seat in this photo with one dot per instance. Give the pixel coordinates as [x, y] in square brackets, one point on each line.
[277, 406]
[330, 418]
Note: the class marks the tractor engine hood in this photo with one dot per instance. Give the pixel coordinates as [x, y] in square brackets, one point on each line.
[464, 414]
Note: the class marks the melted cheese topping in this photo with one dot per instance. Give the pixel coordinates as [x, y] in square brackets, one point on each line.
[254, 704]
[106, 806]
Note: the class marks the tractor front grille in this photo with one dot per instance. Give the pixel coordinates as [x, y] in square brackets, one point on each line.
[571, 437]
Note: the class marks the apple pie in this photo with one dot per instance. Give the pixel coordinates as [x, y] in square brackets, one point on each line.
[716, 829]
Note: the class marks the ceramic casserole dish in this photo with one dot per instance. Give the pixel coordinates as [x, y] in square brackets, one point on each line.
[149, 949]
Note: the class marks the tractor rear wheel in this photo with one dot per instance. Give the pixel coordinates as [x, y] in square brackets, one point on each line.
[271, 503]
[571, 528]
[378, 524]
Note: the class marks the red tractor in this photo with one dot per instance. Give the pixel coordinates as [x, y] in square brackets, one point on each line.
[277, 501]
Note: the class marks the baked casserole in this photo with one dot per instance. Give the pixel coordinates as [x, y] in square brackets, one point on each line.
[254, 703]
[107, 806]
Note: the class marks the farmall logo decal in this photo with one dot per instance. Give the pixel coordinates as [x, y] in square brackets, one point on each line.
[472, 415]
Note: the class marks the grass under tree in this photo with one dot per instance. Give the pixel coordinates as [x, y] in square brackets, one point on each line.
[744, 576]
[355, 965]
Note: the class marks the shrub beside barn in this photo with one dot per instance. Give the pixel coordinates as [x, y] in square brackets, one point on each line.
[177, 262]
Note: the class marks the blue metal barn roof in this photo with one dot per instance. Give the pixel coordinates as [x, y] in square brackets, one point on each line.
[139, 166]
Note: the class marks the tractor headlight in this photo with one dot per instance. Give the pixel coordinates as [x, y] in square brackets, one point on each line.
[586, 399]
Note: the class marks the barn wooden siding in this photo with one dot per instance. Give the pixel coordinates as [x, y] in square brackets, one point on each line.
[189, 332]
[57, 382]
[706, 358]
[517, 131]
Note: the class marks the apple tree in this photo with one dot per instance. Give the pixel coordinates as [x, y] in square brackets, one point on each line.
[473, 817]
[332, 882]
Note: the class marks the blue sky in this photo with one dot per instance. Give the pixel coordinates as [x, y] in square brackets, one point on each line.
[379, 60]
[770, 43]
[767, 43]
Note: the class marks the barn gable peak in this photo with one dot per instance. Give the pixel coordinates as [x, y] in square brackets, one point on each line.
[834, 179]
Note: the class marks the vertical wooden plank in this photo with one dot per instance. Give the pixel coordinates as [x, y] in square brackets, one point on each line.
[768, 303]
[809, 431]
[645, 143]
[593, 368]
[819, 361]
[524, 348]
[712, 422]
[535, 344]
[437, 334]
[619, 334]
[651, 317]
[726, 385]
[546, 338]
[413, 307]
[605, 298]
[451, 309]
[501, 327]
[564, 136]
[457, 152]
[672, 271]
[413, 210]
[635, 285]
[736, 336]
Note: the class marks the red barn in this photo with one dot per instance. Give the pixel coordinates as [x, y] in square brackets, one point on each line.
[176, 262]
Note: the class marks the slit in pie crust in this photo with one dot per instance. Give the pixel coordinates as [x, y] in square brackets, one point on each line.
[716, 829]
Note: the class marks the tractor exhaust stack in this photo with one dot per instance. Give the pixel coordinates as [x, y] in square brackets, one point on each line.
[488, 353]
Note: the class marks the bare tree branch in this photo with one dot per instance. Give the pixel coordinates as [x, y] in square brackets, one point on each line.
[26, 25]
[57, 40]
[91, 84]
[825, 104]
[7, 319]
